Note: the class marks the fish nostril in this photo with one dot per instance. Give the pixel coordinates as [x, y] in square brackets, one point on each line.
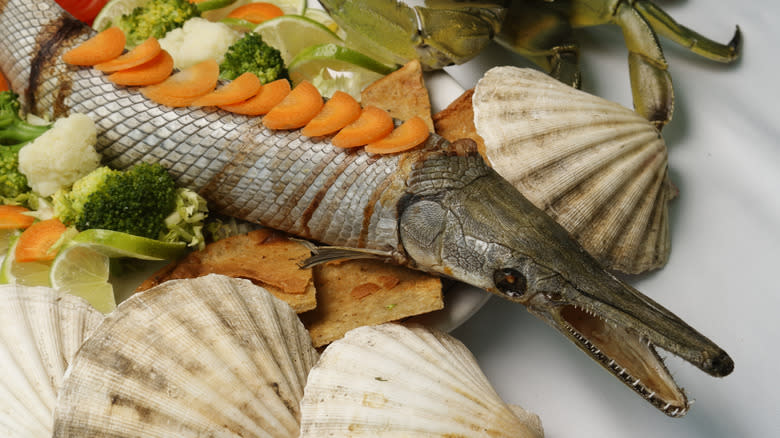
[720, 365]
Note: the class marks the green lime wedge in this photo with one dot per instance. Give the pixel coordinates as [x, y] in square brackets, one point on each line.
[80, 270]
[117, 244]
[331, 67]
[6, 237]
[322, 17]
[26, 273]
[290, 34]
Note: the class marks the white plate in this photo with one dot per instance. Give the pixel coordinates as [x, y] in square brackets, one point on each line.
[721, 277]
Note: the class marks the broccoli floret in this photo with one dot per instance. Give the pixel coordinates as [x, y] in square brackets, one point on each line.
[156, 17]
[14, 130]
[252, 54]
[12, 182]
[14, 133]
[143, 200]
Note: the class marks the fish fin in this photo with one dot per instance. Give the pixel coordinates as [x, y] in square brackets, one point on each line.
[325, 254]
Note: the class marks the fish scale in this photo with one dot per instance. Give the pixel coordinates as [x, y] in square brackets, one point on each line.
[438, 208]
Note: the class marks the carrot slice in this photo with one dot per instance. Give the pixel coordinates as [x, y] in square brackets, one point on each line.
[35, 242]
[102, 47]
[194, 81]
[158, 96]
[268, 97]
[237, 90]
[12, 217]
[182, 88]
[410, 134]
[373, 124]
[149, 73]
[256, 12]
[339, 111]
[141, 54]
[3, 83]
[296, 109]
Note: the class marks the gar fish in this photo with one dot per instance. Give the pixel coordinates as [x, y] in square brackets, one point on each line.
[438, 208]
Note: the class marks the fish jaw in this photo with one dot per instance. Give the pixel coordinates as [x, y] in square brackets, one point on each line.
[622, 352]
[462, 220]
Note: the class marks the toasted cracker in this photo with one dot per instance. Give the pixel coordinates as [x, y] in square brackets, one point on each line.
[362, 292]
[265, 257]
[457, 121]
[402, 93]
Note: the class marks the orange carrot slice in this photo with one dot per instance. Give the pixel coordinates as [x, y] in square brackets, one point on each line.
[141, 54]
[149, 73]
[410, 134]
[12, 217]
[235, 91]
[35, 242]
[373, 124]
[339, 111]
[182, 88]
[102, 47]
[296, 109]
[270, 95]
[3, 83]
[157, 96]
[256, 12]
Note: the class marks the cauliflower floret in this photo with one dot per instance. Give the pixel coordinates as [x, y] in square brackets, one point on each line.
[61, 155]
[198, 40]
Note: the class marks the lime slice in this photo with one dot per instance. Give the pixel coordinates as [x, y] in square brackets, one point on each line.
[6, 237]
[331, 67]
[290, 34]
[82, 271]
[26, 273]
[322, 17]
[288, 6]
[117, 244]
[114, 9]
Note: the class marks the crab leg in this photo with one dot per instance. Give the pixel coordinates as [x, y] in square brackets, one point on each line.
[543, 35]
[665, 25]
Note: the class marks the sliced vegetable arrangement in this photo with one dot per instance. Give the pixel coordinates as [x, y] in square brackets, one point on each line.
[371, 127]
[212, 26]
[64, 221]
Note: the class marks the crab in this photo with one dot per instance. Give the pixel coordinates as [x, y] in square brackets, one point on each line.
[446, 32]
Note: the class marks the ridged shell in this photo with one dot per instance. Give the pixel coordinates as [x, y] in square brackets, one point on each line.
[394, 380]
[40, 332]
[210, 356]
[598, 168]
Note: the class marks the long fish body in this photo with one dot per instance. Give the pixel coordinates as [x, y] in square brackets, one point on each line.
[438, 208]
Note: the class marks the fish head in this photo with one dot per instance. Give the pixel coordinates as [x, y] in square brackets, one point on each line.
[464, 221]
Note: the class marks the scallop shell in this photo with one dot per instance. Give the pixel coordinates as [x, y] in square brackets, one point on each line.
[394, 380]
[210, 356]
[40, 332]
[596, 167]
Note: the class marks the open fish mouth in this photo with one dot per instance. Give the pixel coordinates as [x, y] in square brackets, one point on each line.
[629, 356]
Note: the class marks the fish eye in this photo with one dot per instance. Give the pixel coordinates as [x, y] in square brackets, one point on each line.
[510, 282]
